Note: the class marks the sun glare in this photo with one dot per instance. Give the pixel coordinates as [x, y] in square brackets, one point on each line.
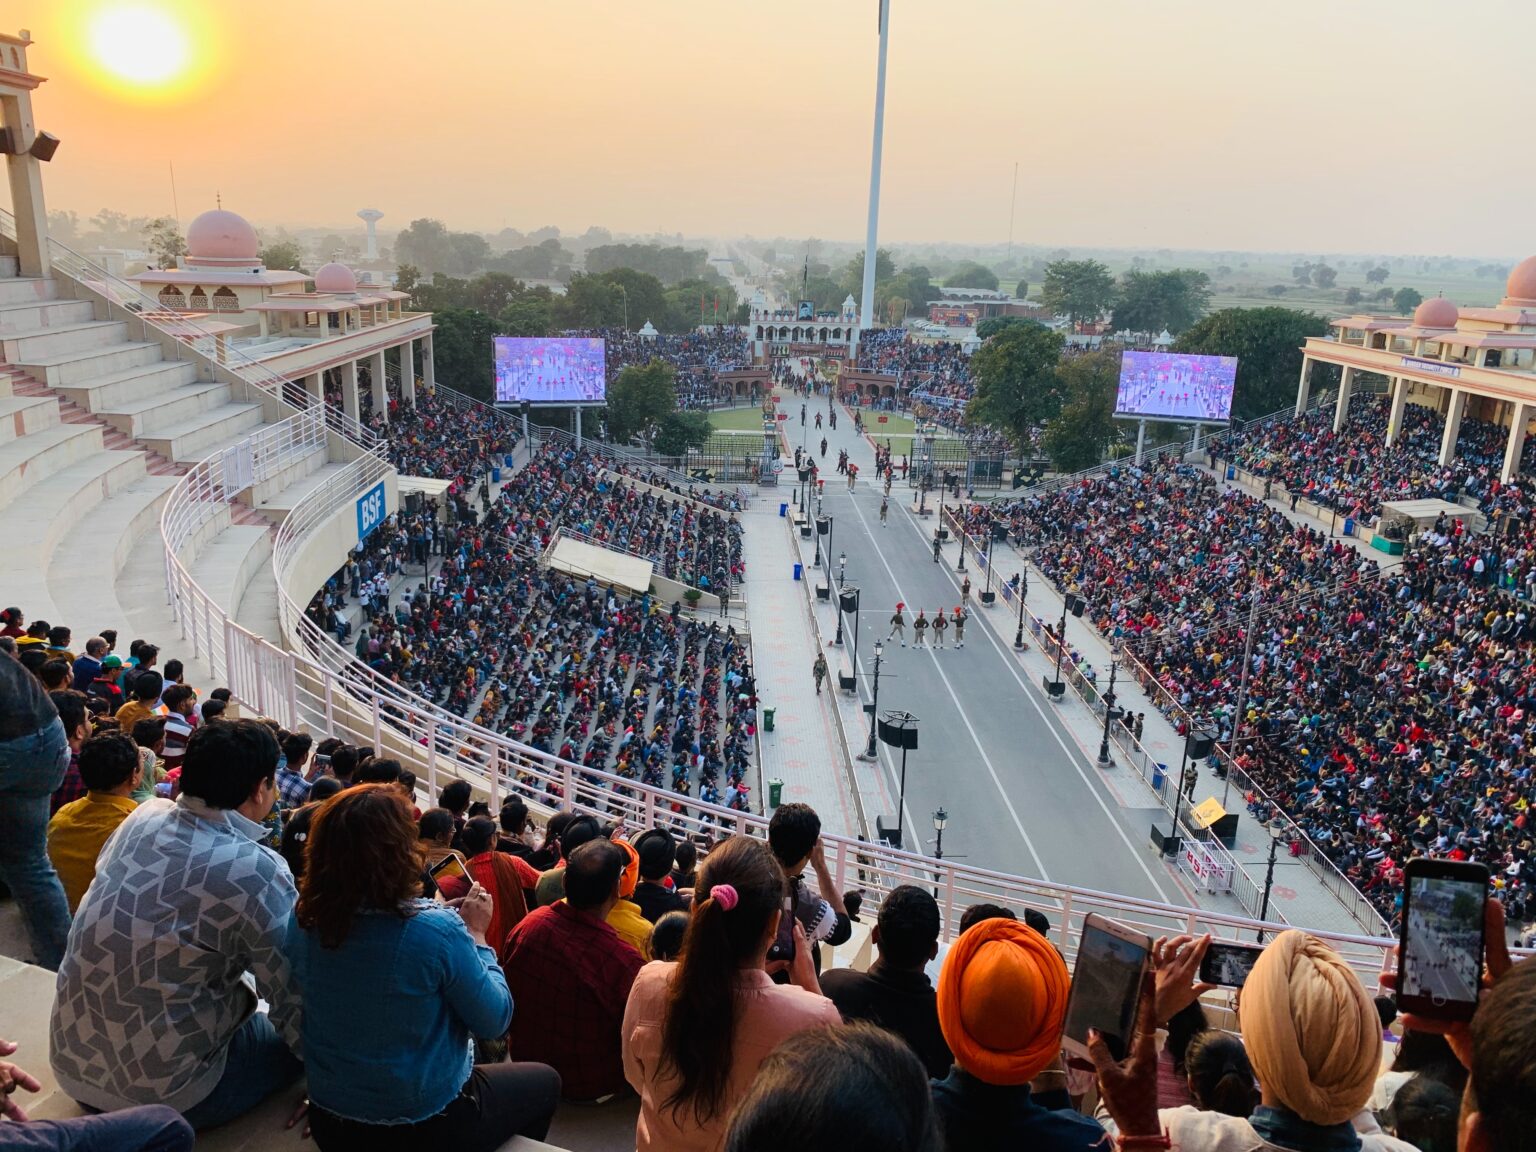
[140, 46]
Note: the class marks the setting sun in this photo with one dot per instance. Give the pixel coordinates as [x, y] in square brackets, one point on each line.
[140, 45]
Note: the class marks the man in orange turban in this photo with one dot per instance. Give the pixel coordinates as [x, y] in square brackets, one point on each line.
[1002, 999]
[626, 918]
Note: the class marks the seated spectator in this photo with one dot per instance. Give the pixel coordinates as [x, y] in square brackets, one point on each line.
[625, 917]
[59, 638]
[87, 665]
[145, 702]
[436, 833]
[78, 724]
[578, 831]
[895, 993]
[378, 770]
[155, 1000]
[570, 976]
[547, 854]
[852, 1088]
[1311, 1034]
[213, 709]
[1173, 1087]
[456, 796]
[497, 873]
[152, 1128]
[292, 780]
[657, 851]
[696, 1031]
[683, 869]
[149, 740]
[400, 1079]
[514, 829]
[55, 676]
[794, 834]
[111, 769]
[667, 936]
[976, 913]
[1002, 1003]
[1424, 1113]
[1220, 1076]
[37, 744]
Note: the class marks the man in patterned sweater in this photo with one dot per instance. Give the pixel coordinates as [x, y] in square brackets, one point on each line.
[173, 943]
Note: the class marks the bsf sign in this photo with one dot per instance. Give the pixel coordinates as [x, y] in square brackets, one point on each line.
[370, 511]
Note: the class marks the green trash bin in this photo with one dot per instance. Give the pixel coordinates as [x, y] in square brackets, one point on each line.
[775, 793]
[767, 719]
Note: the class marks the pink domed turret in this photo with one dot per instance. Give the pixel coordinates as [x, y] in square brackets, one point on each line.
[1436, 312]
[222, 239]
[1521, 289]
[334, 277]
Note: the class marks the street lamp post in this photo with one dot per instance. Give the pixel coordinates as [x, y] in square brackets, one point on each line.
[874, 702]
[842, 567]
[940, 818]
[1018, 637]
[1109, 713]
[1275, 834]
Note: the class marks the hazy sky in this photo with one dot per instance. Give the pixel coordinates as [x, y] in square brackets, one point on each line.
[1317, 125]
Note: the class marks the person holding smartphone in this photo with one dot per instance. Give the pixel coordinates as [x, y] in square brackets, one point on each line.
[1311, 1033]
[361, 937]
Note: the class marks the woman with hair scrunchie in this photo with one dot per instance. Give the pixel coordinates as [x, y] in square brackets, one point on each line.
[696, 1030]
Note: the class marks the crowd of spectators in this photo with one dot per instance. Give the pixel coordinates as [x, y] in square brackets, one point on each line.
[1386, 712]
[443, 978]
[1355, 470]
[696, 357]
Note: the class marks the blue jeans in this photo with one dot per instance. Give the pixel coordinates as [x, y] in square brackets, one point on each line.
[152, 1128]
[31, 770]
[259, 1064]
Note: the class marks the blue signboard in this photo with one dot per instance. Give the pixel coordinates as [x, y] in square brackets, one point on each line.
[371, 510]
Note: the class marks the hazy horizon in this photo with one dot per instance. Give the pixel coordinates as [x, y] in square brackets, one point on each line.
[1190, 127]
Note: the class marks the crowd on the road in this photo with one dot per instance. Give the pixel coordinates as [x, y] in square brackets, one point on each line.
[1387, 713]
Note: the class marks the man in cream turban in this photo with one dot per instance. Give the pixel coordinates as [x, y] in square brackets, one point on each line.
[1002, 998]
[1314, 1040]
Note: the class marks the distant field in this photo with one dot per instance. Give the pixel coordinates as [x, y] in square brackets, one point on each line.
[738, 419]
[1248, 287]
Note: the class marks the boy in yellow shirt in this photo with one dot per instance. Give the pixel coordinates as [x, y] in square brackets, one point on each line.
[110, 769]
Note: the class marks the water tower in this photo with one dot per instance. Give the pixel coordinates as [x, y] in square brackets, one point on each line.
[372, 216]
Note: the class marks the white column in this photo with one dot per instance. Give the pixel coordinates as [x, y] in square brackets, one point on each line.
[1453, 413]
[578, 426]
[1304, 391]
[867, 303]
[428, 368]
[380, 393]
[1341, 409]
[1399, 401]
[1518, 420]
[407, 375]
[25, 174]
[314, 384]
[349, 389]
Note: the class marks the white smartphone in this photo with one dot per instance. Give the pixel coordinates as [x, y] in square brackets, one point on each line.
[1106, 985]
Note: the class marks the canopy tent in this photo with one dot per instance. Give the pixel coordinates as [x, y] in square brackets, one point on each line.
[1420, 514]
[618, 569]
[429, 489]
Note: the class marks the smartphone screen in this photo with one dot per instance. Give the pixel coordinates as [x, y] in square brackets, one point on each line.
[1228, 964]
[1106, 986]
[448, 866]
[1442, 949]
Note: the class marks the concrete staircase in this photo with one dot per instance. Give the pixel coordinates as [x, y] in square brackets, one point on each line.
[95, 429]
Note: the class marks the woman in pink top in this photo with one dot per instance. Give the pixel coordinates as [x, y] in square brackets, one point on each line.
[696, 1030]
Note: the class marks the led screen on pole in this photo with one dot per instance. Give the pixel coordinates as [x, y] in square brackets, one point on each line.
[1170, 386]
[550, 371]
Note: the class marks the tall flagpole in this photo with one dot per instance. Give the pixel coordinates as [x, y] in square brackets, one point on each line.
[867, 304]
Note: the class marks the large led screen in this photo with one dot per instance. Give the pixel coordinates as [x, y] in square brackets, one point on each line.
[556, 370]
[1170, 386]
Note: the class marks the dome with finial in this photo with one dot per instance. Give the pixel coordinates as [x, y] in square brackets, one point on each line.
[221, 238]
[334, 277]
[1521, 288]
[1436, 312]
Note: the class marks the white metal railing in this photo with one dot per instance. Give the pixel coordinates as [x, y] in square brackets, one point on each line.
[143, 308]
[320, 685]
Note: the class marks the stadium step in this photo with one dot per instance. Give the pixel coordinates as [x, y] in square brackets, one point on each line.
[28, 461]
[31, 315]
[167, 409]
[194, 438]
[26, 289]
[277, 506]
[77, 367]
[41, 343]
[70, 412]
[22, 415]
[226, 565]
[116, 389]
[82, 573]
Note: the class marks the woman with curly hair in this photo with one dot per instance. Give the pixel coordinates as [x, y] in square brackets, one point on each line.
[393, 987]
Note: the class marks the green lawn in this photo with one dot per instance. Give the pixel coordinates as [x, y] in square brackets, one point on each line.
[738, 419]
